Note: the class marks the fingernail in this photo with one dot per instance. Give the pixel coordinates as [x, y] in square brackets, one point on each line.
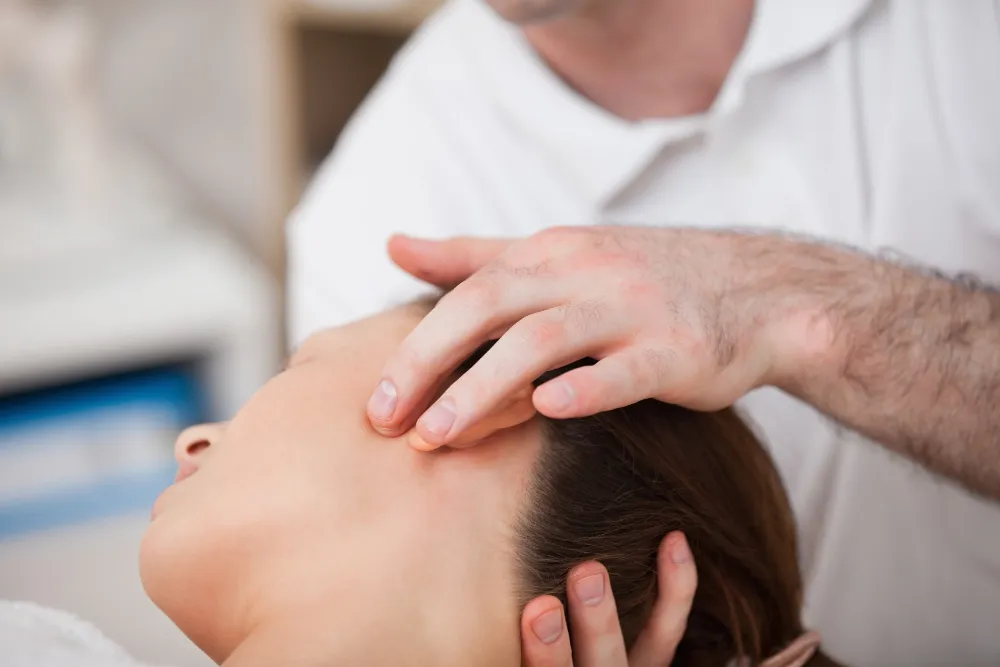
[680, 553]
[383, 402]
[590, 589]
[440, 418]
[417, 442]
[563, 396]
[548, 626]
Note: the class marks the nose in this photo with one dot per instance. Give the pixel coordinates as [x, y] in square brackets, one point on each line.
[193, 443]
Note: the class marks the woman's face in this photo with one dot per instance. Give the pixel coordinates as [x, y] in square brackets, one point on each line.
[297, 511]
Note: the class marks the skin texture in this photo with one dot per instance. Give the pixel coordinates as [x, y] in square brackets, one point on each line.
[296, 535]
[699, 318]
[637, 58]
[299, 518]
[535, 11]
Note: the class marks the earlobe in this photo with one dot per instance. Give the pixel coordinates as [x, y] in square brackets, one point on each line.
[516, 410]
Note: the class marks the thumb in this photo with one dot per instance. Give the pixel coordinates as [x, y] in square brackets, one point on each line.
[444, 263]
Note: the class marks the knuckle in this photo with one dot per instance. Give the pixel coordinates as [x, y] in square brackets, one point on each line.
[638, 289]
[665, 634]
[553, 234]
[687, 586]
[666, 628]
[557, 655]
[476, 295]
[408, 364]
[651, 369]
[556, 240]
[605, 626]
[542, 333]
[612, 649]
[582, 317]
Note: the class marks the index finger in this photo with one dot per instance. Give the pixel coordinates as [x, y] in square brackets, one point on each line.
[461, 321]
[444, 263]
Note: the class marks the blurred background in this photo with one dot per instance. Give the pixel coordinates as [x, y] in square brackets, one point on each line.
[150, 151]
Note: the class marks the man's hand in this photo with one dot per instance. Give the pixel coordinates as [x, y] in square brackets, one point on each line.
[597, 638]
[679, 315]
[698, 318]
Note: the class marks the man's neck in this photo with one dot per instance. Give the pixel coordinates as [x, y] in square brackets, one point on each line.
[646, 58]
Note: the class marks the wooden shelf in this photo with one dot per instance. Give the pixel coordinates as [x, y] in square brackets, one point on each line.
[323, 57]
[401, 16]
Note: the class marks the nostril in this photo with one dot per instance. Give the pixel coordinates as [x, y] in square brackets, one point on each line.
[195, 448]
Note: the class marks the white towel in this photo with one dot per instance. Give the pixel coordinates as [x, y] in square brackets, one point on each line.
[33, 636]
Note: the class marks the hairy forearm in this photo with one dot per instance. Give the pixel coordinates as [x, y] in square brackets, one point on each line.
[908, 358]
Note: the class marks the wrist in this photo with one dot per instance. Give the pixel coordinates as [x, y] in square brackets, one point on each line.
[810, 302]
[803, 345]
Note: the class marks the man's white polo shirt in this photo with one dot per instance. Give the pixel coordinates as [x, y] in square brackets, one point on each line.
[873, 123]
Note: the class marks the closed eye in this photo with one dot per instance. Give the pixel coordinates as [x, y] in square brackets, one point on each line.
[291, 359]
[299, 356]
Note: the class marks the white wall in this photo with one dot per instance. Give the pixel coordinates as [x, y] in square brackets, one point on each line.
[186, 77]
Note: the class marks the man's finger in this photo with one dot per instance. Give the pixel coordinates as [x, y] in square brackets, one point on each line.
[444, 263]
[535, 344]
[597, 636]
[460, 323]
[544, 639]
[621, 379]
[677, 580]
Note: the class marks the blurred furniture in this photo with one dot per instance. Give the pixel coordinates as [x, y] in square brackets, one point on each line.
[106, 353]
[327, 56]
[114, 336]
[105, 270]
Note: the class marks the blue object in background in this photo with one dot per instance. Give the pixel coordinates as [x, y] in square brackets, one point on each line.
[92, 449]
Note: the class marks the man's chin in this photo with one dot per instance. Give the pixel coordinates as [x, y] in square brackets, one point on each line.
[528, 12]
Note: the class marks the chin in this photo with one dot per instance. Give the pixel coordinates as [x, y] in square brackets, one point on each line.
[160, 554]
[179, 581]
[524, 12]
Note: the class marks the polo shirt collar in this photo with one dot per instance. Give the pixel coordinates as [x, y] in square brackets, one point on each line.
[783, 32]
[602, 153]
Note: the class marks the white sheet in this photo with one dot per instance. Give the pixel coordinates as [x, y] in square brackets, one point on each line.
[33, 636]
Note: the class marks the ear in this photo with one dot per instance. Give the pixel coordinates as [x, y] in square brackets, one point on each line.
[515, 410]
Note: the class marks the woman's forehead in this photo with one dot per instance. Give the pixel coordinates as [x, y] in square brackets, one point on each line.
[383, 330]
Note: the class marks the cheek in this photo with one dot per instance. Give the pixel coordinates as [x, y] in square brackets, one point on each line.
[205, 558]
[226, 535]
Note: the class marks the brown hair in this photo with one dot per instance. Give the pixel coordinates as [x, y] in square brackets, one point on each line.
[611, 486]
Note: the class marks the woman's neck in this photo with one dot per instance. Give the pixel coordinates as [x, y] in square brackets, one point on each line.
[390, 637]
[322, 643]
